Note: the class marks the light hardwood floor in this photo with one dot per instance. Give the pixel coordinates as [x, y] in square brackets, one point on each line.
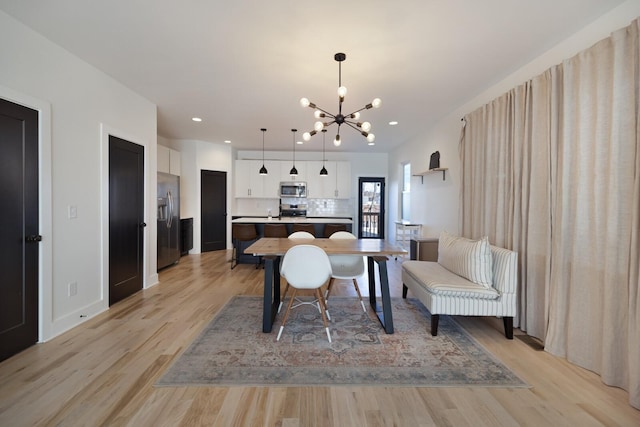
[102, 373]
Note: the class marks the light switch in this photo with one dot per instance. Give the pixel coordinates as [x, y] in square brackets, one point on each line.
[73, 211]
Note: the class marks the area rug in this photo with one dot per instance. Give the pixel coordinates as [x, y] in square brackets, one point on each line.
[233, 350]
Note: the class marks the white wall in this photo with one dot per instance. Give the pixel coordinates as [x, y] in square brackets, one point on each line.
[197, 156]
[435, 203]
[85, 103]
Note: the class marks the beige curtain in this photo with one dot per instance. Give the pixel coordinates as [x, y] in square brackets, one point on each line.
[552, 170]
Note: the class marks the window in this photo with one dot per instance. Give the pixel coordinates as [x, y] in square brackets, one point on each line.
[405, 208]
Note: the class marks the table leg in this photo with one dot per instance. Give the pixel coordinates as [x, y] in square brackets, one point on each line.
[385, 316]
[271, 291]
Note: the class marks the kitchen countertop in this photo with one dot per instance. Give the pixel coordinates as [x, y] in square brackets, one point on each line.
[291, 220]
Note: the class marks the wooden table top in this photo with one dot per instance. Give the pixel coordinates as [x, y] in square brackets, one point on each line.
[367, 247]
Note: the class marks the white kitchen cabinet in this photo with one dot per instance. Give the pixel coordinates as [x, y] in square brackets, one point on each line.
[343, 180]
[249, 182]
[314, 183]
[271, 181]
[335, 185]
[175, 160]
[168, 160]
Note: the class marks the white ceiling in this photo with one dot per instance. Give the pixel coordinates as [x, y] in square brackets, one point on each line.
[242, 65]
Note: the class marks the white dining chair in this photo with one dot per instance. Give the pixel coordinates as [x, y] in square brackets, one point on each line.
[306, 267]
[348, 267]
[300, 235]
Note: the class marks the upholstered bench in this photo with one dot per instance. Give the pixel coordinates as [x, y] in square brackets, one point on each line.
[471, 278]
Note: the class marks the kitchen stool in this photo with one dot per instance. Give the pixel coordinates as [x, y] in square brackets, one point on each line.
[309, 228]
[275, 230]
[242, 233]
[329, 229]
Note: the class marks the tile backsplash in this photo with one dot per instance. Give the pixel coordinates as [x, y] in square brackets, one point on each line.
[315, 207]
[329, 207]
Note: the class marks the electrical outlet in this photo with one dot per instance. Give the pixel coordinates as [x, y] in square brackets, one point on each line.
[72, 211]
[73, 289]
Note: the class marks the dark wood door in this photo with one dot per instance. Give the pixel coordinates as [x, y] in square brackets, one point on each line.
[19, 235]
[213, 216]
[126, 218]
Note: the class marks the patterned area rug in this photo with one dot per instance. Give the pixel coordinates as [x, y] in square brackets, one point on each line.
[233, 350]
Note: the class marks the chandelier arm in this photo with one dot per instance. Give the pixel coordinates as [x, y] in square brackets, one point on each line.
[352, 126]
[325, 111]
[357, 111]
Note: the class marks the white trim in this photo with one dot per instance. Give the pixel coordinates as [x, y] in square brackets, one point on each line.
[45, 256]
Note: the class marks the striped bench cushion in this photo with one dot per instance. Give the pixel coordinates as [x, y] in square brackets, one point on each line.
[440, 281]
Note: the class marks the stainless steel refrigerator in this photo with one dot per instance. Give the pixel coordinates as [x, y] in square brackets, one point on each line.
[168, 219]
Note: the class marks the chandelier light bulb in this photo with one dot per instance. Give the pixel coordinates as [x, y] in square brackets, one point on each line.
[371, 137]
[355, 115]
[376, 103]
[306, 136]
[318, 114]
[337, 141]
[342, 91]
[318, 126]
[366, 126]
[304, 102]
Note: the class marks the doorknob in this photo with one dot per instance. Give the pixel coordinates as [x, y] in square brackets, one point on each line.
[143, 224]
[33, 238]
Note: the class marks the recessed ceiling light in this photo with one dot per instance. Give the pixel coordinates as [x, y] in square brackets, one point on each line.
[393, 123]
[227, 141]
[196, 119]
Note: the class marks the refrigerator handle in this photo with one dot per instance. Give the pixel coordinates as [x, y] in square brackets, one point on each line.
[170, 215]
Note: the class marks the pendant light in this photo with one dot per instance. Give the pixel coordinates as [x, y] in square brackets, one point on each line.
[263, 170]
[323, 171]
[294, 171]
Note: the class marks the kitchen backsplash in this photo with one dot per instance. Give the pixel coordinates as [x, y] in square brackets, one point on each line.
[315, 207]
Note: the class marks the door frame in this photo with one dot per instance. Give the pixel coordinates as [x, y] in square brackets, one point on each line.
[150, 232]
[45, 208]
[383, 204]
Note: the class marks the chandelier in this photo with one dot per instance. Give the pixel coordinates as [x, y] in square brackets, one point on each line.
[350, 120]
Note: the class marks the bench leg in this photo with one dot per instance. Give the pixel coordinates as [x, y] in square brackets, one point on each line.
[508, 327]
[404, 291]
[434, 324]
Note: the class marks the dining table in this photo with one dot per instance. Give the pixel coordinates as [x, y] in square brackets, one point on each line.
[377, 251]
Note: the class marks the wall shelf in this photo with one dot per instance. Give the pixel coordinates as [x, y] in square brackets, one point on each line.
[430, 171]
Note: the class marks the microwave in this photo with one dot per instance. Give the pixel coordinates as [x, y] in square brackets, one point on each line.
[293, 189]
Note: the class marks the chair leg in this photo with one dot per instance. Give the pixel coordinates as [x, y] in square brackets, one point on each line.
[355, 285]
[286, 314]
[286, 288]
[328, 291]
[324, 317]
[234, 251]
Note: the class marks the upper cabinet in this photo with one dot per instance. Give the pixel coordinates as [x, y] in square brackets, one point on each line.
[343, 180]
[168, 160]
[249, 182]
[335, 185]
